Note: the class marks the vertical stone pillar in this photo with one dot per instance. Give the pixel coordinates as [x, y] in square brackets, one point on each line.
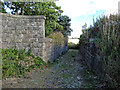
[1, 30]
[43, 28]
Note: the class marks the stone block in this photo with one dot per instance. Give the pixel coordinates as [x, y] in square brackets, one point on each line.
[28, 36]
[39, 23]
[25, 40]
[36, 45]
[30, 31]
[21, 36]
[13, 31]
[0, 45]
[37, 36]
[24, 31]
[33, 24]
[17, 32]
[19, 28]
[4, 22]
[8, 39]
[35, 50]
[30, 28]
[0, 40]
[24, 44]
[17, 40]
[33, 40]
[1, 35]
[36, 28]
[19, 46]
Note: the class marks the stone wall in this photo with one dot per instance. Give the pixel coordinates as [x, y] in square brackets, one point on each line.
[52, 50]
[25, 32]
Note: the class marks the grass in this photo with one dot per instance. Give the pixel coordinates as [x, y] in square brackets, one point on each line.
[65, 75]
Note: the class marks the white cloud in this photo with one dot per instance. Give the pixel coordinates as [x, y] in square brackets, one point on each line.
[74, 8]
[77, 8]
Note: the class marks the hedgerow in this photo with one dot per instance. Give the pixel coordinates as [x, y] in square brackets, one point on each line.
[106, 34]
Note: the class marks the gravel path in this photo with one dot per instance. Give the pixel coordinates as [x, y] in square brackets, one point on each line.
[68, 71]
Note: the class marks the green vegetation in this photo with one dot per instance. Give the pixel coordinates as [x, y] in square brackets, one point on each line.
[66, 76]
[73, 45]
[65, 22]
[58, 38]
[16, 63]
[2, 7]
[106, 35]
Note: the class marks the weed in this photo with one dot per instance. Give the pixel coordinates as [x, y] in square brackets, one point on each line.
[16, 65]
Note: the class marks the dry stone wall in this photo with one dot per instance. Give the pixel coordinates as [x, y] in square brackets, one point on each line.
[25, 32]
[52, 50]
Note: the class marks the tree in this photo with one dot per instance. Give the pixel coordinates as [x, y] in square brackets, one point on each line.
[84, 28]
[2, 7]
[65, 22]
[48, 9]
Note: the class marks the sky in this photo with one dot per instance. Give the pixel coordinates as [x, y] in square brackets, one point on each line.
[83, 11]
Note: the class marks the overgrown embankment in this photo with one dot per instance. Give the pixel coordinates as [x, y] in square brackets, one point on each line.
[100, 47]
[15, 63]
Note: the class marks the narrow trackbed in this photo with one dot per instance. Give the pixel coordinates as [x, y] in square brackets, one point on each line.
[66, 72]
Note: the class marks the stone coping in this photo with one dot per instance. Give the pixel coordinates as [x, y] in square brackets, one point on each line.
[24, 16]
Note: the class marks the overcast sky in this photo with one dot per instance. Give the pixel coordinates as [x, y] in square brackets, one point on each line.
[83, 11]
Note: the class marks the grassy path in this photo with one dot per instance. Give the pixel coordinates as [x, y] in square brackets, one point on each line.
[66, 72]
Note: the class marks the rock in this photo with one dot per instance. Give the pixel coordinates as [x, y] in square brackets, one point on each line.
[71, 77]
[73, 86]
[78, 78]
[32, 80]
[95, 77]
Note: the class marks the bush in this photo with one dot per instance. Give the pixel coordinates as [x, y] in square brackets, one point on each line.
[57, 37]
[16, 62]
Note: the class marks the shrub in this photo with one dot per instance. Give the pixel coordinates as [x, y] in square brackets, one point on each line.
[106, 33]
[57, 37]
[17, 63]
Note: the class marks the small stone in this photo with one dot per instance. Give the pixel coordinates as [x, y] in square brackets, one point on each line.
[72, 77]
[95, 77]
[36, 83]
[73, 86]
[79, 82]
[78, 78]
[32, 80]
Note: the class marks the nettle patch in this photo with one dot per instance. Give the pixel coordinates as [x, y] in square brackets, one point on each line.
[15, 63]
